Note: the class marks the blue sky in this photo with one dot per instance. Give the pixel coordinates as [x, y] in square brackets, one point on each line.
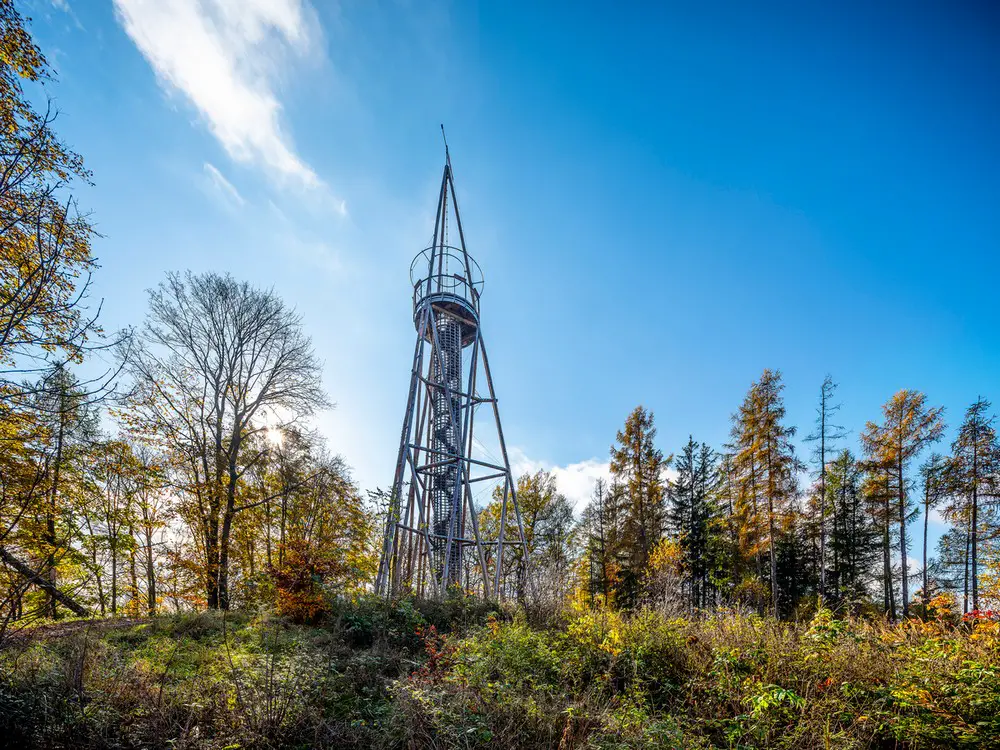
[665, 200]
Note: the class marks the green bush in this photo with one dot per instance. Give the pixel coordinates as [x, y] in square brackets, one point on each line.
[461, 674]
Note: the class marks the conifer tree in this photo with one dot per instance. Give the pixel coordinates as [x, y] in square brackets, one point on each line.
[974, 477]
[825, 438]
[854, 538]
[796, 561]
[767, 459]
[908, 426]
[743, 486]
[691, 516]
[638, 465]
[879, 493]
[933, 481]
[601, 531]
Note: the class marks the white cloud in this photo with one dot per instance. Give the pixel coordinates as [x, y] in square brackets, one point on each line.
[225, 57]
[576, 481]
[937, 517]
[222, 187]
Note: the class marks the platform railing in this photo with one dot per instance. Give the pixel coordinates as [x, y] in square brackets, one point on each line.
[441, 273]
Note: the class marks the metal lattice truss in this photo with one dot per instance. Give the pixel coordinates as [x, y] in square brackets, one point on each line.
[435, 538]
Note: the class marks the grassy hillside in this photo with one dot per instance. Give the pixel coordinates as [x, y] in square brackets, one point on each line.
[462, 675]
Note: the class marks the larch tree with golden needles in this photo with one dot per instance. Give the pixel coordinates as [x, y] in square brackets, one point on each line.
[639, 466]
[767, 464]
[777, 460]
[908, 426]
[743, 483]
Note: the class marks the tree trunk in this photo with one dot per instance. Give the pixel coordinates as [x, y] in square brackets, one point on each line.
[50, 521]
[822, 499]
[927, 510]
[212, 564]
[114, 576]
[770, 524]
[975, 523]
[150, 574]
[890, 603]
[43, 583]
[224, 541]
[904, 568]
[965, 572]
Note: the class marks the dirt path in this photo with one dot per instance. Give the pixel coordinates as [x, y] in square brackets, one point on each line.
[62, 629]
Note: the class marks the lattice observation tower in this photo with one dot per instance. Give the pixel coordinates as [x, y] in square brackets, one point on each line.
[438, 533]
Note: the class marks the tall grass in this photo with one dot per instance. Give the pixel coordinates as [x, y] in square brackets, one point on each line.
[462, 675]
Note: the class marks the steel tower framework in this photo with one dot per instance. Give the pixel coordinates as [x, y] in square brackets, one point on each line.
[433, 536]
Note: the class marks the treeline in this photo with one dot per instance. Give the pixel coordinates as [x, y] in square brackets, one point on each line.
[753, 524]
[180, 472]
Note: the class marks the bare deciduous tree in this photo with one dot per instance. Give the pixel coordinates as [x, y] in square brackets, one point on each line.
[217, 362]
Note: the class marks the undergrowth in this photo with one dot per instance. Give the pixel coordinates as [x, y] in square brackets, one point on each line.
[464, 675]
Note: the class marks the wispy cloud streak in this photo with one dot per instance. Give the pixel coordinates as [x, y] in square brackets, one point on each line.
[230, 195]
[224, 57]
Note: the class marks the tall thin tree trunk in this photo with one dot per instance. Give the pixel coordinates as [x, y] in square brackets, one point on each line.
[904, 568]
[822, 496]
[965, 571]
[975, 522]
[212, 564]
[927, 510]
[770, 525]
[887, 565]
[150, 574]
[114, 576]
[134, 593]
[50, 521]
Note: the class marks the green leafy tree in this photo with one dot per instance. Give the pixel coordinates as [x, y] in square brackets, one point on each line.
[549, 536]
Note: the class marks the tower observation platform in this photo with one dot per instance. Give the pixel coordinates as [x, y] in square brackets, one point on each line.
[452, 281]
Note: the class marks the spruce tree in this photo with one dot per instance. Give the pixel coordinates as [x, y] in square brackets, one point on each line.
[691, 515]
[855, 542]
